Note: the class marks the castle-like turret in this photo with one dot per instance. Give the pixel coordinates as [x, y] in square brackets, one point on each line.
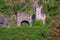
[38, 10]
[34, 4]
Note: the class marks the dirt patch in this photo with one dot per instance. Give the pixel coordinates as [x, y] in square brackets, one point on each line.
[54, 31]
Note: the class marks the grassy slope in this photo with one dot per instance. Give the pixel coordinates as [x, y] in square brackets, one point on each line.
[23, 33]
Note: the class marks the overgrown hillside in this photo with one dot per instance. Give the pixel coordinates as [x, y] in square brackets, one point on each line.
[51, 8]
[11, 6]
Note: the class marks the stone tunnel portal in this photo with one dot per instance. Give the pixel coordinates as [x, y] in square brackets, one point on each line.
[25, 22]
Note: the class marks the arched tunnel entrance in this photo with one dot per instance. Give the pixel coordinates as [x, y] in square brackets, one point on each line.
[25, 23]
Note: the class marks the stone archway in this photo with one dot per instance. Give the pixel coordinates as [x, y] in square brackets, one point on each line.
[23, 17]
[24, 23]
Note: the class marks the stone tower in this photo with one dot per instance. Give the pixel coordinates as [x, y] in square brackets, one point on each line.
[38, 11]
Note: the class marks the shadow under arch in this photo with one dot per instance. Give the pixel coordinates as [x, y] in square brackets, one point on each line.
[25, 23]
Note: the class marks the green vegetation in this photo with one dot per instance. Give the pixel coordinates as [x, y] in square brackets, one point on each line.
[38, 23]
[38, 31]
[23, 33]
[9, 7]
[24, 24]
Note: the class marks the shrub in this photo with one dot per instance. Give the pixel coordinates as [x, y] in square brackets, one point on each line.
[38, 23]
